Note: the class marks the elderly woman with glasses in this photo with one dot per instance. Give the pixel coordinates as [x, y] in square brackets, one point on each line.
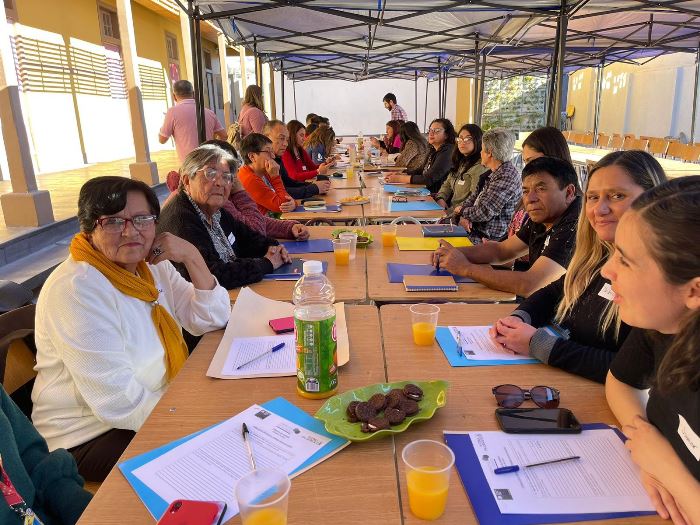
[108, 324]
[233, 252]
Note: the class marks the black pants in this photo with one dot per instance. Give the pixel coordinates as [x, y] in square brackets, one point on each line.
[97, 457]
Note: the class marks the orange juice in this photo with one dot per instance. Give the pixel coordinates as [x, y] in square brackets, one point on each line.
[423, 333]
[427, 493]
[270, 516]
[388, 239]
[342, 256]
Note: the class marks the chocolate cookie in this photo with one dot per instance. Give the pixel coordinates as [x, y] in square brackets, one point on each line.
[350, 411]
[393, 398]
[378, 423]
[378, 401]
[364, 427]
[364, 411]
[394, 415]
[409, 406]
[412, 391]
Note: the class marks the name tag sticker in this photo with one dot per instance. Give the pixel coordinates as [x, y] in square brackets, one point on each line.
[231, 238]
[606, 292]
[460, 183]
[689, 437]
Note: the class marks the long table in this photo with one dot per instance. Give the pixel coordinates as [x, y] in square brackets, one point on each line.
[346, 213]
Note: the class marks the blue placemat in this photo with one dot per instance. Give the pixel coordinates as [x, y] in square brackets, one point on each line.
[310, 246]
[415, 206]
[448, 345]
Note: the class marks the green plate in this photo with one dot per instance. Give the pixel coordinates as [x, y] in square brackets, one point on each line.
[359, 232]
[333, 415]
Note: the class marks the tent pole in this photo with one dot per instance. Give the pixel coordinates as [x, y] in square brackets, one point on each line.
[195, 31]
[482, 88]
[598, 91]
[695, 97]
[444, 95]
[555, 106]
[476, 80]
[294, 92]
[425, 108]
[255, 59]
[415, 88]
[439, 89]
[282, 84]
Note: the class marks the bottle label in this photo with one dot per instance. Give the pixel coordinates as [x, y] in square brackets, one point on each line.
[317, 362]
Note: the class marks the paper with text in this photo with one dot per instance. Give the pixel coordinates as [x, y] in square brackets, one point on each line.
[244, 349]
[207, 467]
[477, 344]
[604, 479]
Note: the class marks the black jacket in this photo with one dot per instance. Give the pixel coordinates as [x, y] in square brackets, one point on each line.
[436, 168]
[298, 190]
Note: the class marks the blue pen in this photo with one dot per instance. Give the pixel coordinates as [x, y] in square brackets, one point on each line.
[270, 351]
[516, 468]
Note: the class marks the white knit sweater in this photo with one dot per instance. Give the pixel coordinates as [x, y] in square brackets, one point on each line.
[100, 362]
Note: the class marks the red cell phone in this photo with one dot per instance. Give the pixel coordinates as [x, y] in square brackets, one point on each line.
[283, 325]
[189, 512]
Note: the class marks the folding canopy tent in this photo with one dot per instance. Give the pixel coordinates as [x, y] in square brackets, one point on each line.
[359, 39]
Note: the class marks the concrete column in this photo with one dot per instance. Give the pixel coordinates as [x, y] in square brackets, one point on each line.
[186, 44]
[143, 169]
[244, 80]
[225, 86]
[25, 205]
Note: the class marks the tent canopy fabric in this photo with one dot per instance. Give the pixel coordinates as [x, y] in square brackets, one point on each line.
[358, 39]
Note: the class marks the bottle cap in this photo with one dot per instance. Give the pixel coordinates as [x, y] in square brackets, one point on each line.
[310, 267]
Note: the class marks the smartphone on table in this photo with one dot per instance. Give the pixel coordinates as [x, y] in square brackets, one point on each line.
[189, 512]
[537, 421]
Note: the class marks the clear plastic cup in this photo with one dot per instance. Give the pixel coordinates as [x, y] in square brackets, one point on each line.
[262, 497]
[388, 235]
[386, 201]
[428, 465]
[341, 249]
[352, 237]
[424, 318]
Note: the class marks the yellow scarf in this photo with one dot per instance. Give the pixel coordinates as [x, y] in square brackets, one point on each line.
[141, 286]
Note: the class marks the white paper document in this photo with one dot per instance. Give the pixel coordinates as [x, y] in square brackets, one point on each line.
[207, 467]
[604, 479]
[255, 351]
[477, 344]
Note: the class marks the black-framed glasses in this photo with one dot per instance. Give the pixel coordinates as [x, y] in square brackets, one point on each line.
[117, 224]
[512, 396]
[211, 173]
[269, 152]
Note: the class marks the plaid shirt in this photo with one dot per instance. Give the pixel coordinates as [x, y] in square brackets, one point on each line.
[491, 209]
[398, 113]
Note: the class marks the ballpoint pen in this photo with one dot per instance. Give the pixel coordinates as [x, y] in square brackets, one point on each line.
[515, 468]
[246, 440]
[270, 351]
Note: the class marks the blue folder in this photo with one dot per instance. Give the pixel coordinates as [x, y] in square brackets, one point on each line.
[449, 348]
[415, 206]
[484, 504]
[310, 246]
[397, 271]
[280, 406]
[291, 271]
[390, 188]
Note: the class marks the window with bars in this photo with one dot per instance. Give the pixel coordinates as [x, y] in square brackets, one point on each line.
[109, 25]
[171, 47]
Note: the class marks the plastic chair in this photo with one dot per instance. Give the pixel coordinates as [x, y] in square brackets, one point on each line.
[405, 219]
[18, 355]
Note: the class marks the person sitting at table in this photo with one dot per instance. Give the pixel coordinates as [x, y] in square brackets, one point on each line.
[297, 161]
[414, 148]
[653, 386]
[391, 142]
[277, 132]
[587, 330]
[441, 137]
[550, 193]
[310, 118]
[467, 169]
[108, 323]
[235, 254]
[260, 176]
[319, 145]
[252, 117]
[546, 141]
[48, 483]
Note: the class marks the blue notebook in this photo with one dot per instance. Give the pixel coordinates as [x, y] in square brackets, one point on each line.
[484, 504]
[390, 188]
[280, 406]
[448, 345]
[310, 246]
[291, 271]
[443, 230]
[415, 206]
[397, 271]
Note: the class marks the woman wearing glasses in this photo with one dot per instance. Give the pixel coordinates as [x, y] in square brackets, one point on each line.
[108, 324]
[464, 177]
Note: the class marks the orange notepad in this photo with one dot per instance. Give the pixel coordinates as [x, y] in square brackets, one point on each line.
[429, 283]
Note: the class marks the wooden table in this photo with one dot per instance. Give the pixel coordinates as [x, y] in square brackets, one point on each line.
[350, 281]
[381, 290]
[346, 213]
[470, 403]
[357, 484]
[352, 182]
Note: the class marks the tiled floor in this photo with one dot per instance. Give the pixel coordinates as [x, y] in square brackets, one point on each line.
[65, 186]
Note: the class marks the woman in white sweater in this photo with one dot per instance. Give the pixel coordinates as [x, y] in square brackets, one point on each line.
[108, 324]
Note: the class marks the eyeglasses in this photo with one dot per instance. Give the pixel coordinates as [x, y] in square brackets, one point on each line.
[269, 152]
[211, 173]
[435, 130]
[117, 224]
[511, 396]
[464, 140]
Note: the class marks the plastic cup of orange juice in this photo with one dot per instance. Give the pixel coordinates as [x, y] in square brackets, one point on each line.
[388, 235]
[341, 249]
[428, 465]
[262, 497]
[352, 237]
[424, 319]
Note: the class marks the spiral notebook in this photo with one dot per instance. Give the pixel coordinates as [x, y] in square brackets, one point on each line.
[429, 283]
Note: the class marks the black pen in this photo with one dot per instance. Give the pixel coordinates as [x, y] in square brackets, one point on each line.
[245, 433]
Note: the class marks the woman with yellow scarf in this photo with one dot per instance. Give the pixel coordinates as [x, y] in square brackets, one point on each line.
[109, 324]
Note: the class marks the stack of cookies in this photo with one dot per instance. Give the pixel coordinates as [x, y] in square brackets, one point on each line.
[381, 411]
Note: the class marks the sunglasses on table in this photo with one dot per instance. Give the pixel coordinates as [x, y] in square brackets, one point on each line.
[512, 396]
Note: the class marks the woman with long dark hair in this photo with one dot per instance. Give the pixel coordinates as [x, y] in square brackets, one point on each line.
[414, 148]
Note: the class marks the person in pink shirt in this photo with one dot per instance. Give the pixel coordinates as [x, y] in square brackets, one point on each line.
[252, 118]
[181, 121]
